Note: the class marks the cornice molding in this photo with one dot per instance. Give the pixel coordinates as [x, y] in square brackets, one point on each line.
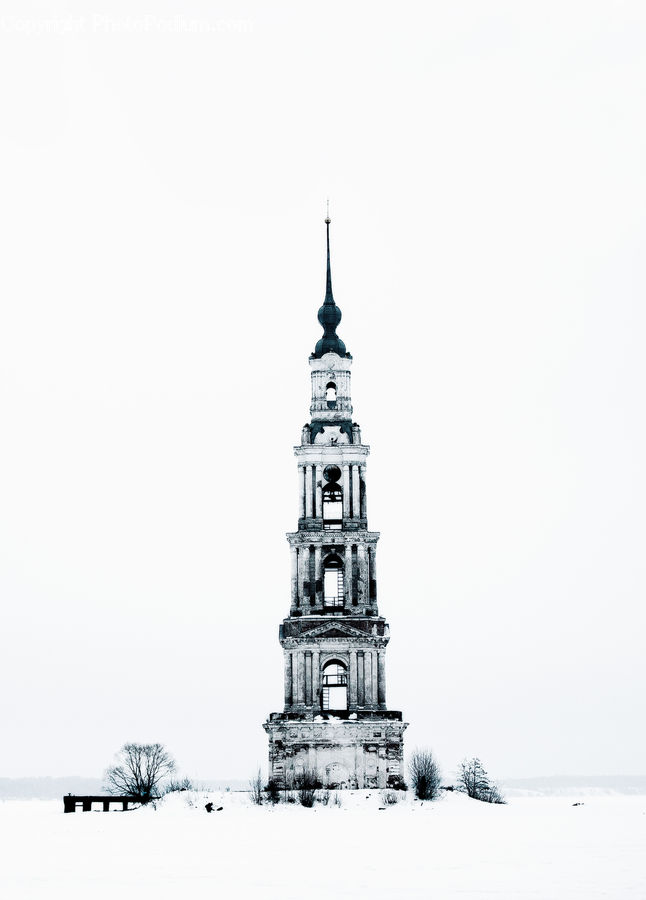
[356, 453]
[338, 538]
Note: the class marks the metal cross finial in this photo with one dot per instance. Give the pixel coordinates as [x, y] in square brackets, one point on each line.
[327, 218]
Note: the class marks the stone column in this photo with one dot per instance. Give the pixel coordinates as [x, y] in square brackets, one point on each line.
[294, 673]
[355, 492]
[362, 572]
[367, 678]
[308, 677]
[352, 704]
[347, 576]
[301, 678]
[303, 575]
[373, 575]
[288, 679]
[308, 492]
[362, 471]
[294, 558]
[301, 484]
[318, 574]
[373, 666]
[381, 678]
[346, 492]
[361, 683]
[316, 680]
[318, 505]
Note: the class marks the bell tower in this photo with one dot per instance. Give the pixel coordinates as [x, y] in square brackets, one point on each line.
[335, 721]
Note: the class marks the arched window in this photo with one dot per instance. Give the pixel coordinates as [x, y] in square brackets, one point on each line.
[335, 685]
[330, 394]
[332, 581]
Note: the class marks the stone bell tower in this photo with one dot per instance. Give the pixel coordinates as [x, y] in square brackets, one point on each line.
[335, 721]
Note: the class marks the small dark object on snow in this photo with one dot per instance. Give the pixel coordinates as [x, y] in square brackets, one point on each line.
[578, 804]
[208, 806]
[219, 809]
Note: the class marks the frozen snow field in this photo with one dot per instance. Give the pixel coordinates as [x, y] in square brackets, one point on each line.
[533, 847]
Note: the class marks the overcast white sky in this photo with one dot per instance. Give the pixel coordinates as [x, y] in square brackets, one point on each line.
[163, 186]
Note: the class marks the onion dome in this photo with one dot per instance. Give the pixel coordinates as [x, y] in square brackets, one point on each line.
[329, 315]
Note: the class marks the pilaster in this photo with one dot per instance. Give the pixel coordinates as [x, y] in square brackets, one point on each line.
[381, 678]
[346, 491]
[356, 496]
[352, 699]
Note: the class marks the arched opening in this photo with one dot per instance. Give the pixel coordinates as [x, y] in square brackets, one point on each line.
[332, 582]
[330, 394]
[335, 685]
[332, 507]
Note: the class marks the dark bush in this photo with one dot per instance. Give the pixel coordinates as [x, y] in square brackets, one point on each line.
[273, 791]
[306, 784]
[425, 775]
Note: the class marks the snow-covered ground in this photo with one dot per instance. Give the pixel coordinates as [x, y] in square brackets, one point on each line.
[455, 847]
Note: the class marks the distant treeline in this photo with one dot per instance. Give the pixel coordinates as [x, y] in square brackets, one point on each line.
[53, 788]
[47, 788]
[568, 784]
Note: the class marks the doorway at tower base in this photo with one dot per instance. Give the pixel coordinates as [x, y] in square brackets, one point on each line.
[342, 754]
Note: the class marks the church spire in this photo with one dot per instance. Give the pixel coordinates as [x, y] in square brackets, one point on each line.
[329, 298]
[329, 314]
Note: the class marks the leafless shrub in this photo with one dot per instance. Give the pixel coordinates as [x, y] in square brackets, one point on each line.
[324, 797]
[273, 791]
[138, 770]
[424, 775]
[495, 795]
[178, 784]
[288, 785]
[306, 784]
[389, 798]
[336, 800]
[255, 788]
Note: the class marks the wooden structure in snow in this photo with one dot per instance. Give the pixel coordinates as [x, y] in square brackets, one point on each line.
[71, 802]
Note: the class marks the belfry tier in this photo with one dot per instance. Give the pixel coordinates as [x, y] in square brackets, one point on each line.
[333, 553]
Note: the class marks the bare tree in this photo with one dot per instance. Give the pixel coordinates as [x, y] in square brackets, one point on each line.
[424, 774]
[474, 781]
[138, 770]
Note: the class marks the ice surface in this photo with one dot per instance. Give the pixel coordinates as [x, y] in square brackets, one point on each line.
[541, 848]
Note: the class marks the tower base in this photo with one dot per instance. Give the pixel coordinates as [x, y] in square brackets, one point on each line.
[364, 749]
